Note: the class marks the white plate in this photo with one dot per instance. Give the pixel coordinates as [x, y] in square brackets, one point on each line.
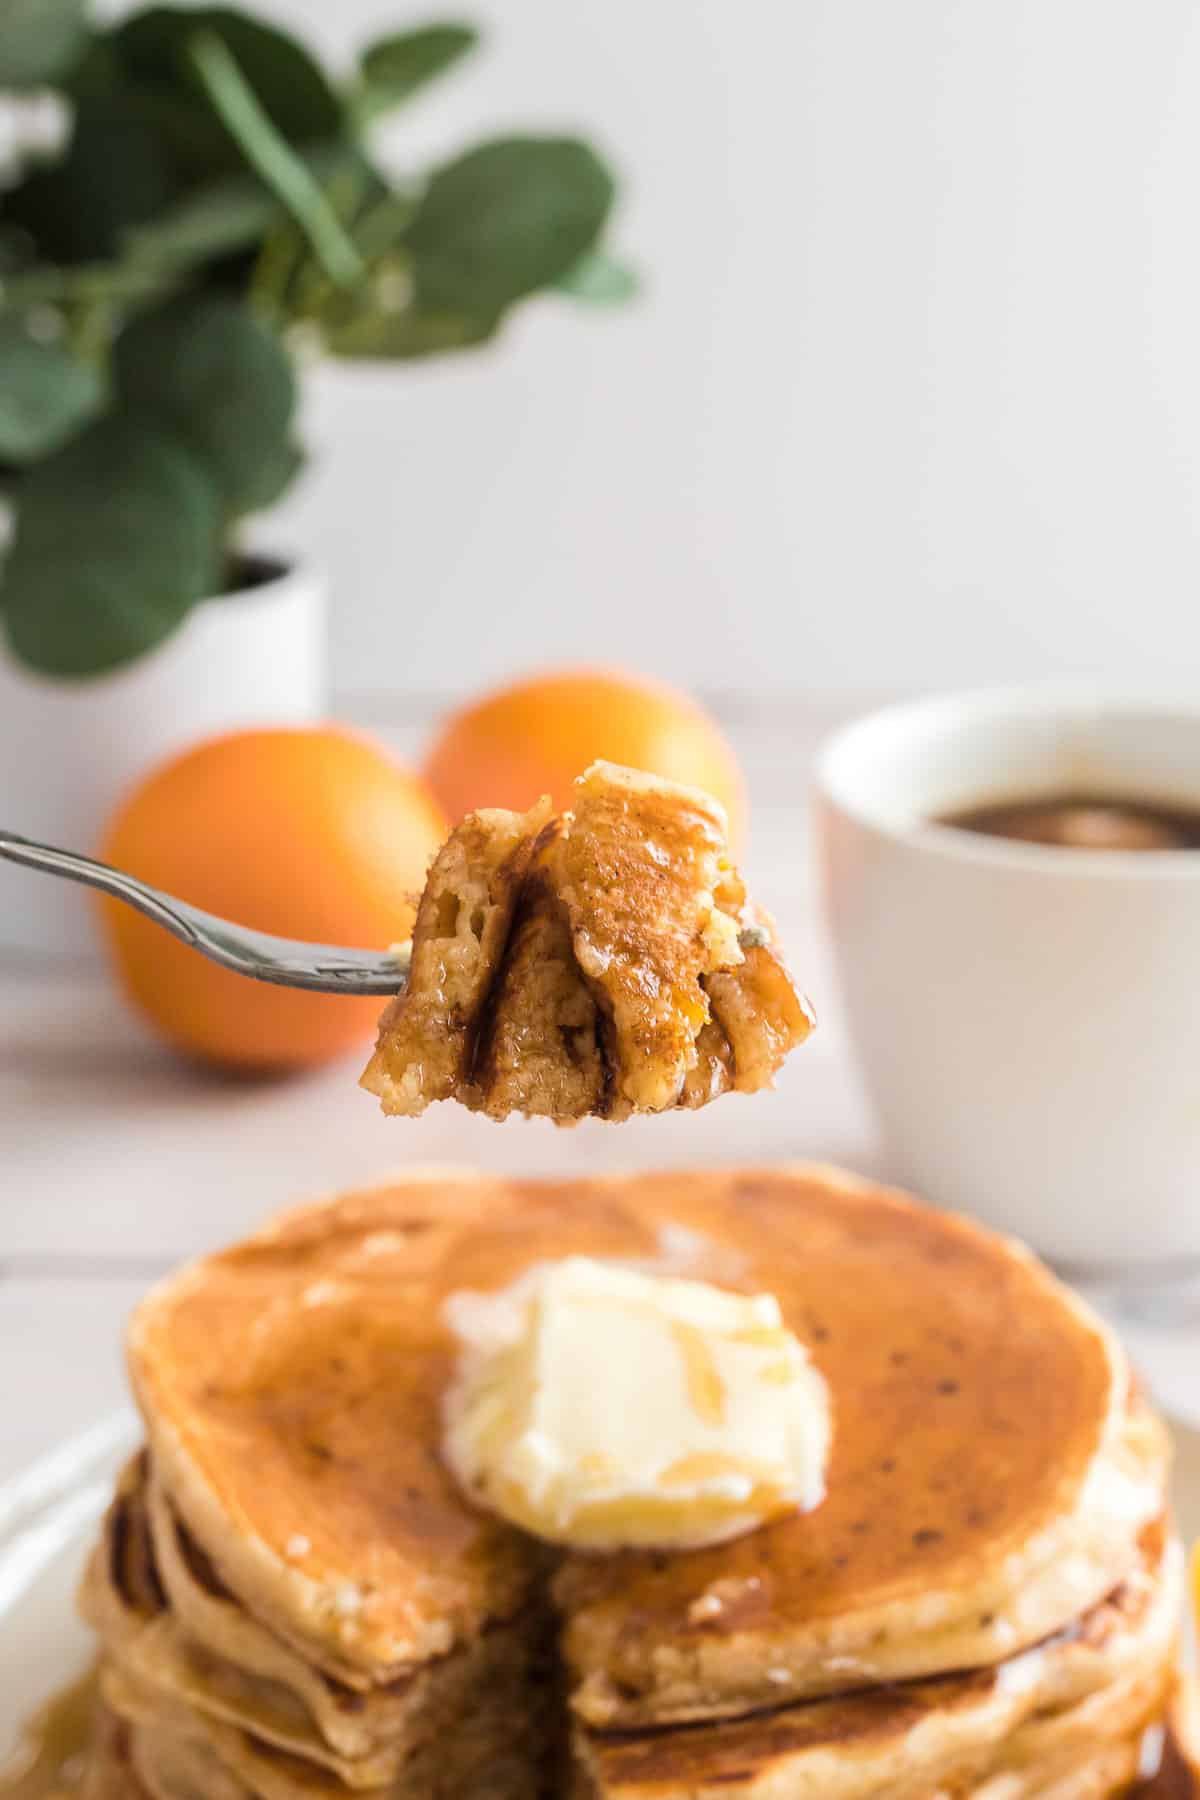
[48, 1519]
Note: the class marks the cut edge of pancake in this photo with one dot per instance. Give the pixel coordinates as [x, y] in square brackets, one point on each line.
[426, 1034]
[1079, 1701]
[1074, 1693]
[262, 1735]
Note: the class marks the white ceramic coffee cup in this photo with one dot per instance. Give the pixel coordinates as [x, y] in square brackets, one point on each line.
[1027, 1018]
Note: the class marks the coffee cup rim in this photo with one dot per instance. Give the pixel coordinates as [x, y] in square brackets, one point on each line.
[1072, 701]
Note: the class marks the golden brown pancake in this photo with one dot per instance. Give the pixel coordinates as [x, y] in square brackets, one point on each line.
[158, 1670]
[354, 1723]
[487, 1746]
[545, 1049]
[169, 1766]
[539, 1050]
[295, 1602]
[655, 1643]
[427, 1033]
[120, 1591]
[194, 1712]
[601, 963]
[481, 1707]
[147, 1583]
[1080, 1702]
[756, 1006]
[636, 870]
[291, 1389]
[109, 1774]
[991, 1470]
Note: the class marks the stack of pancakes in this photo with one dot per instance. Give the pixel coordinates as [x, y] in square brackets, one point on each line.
[295, 1600]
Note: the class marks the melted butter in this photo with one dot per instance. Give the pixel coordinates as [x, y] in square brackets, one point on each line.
[603, 1407]
[49, 1760]
[706, 1390]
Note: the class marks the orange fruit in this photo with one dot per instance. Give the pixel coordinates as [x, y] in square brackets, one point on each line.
[533, 738]
[316, 834]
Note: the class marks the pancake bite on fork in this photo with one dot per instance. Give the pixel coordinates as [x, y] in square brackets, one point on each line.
[603, 962]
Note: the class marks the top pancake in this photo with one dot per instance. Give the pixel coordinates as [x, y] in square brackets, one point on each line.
[988, 1481]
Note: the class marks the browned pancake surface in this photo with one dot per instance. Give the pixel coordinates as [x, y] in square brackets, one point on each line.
[1119, 1655]
[297, 1381]
[636, 868]
[968, 1402]
[293, 1385]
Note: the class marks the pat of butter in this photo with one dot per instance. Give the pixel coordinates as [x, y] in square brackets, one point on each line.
[604, 1408]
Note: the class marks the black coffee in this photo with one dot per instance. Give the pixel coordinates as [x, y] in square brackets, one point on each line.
[1085, 821]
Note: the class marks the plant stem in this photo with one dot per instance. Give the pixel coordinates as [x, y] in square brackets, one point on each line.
[274, 268]
[270, 154]
[85, 283]
[91, 330]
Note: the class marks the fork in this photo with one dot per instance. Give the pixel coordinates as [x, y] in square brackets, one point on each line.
[321, 968]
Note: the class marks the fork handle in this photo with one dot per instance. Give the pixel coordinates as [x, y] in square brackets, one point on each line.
[85, 869]
[283, 962]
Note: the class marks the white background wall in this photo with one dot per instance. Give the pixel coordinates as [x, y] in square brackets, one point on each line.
[913, 396]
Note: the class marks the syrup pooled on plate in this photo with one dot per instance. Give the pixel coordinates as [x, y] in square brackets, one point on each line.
[1079, 821]
[48, 1762]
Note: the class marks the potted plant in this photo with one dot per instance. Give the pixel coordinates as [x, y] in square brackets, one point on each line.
[192, 211]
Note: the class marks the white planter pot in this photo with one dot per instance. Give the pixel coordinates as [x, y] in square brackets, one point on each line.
[69, 750]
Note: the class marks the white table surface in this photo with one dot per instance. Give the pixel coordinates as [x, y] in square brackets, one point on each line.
[117, 1162]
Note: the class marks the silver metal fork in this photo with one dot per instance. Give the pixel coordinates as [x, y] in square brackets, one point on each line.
[322, 968]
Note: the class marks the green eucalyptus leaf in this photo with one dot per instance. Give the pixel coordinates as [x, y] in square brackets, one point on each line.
[222, 218]
[280, 466]
[99, 284]
[41, 41]
[394, 68]
[234, 213]
[46, 394]
[97, 71]
[116, 174]
[290, 87]
[208, 371]
[116, 539]
[189, 129]
[17, 249]
[404, 336]
[504, 220]
[599, 280]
